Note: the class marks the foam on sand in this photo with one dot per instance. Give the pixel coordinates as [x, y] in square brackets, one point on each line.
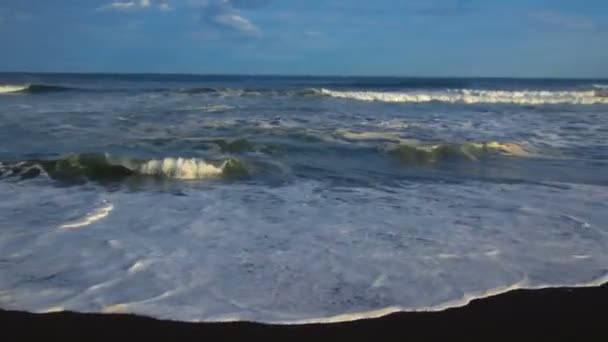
[116, 309]
[464, 301]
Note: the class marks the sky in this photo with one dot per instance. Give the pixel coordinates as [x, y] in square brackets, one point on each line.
[515, 38]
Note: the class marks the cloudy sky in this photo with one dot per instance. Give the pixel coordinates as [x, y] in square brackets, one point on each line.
[555, 38]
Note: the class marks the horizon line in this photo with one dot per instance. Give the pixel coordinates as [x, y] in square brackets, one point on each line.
[280, 75]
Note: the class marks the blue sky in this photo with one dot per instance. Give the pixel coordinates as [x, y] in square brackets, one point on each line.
[554, 38]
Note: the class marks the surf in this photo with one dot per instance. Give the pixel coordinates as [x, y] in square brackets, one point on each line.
[471, 96]
[433, 154]
[80, 168]
[8, 88]
[32, 88]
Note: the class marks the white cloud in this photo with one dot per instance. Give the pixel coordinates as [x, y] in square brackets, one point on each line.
[221, 16]
[119, 6]
[567, 21]
[227, 14]
[237, 22]
[123, 6]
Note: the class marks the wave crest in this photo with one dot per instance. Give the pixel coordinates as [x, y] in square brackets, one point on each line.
[104, 168]
[413, 154]
[180, 168]
[467, 96]
[31, 88]
[10, 88]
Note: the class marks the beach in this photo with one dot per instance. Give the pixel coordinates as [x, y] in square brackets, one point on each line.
[557, 314]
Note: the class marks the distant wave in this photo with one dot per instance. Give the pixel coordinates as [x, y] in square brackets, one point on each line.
[8, 88]
[236, 92]
[80, 168]
[467, 96]
[398, 83]
[419, 154]
[598, 94]
[32, 88]
[198, 90]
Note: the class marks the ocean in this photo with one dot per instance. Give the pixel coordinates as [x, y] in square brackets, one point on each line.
[296, 199]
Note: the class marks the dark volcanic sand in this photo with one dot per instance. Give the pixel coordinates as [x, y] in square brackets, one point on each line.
[542, 315]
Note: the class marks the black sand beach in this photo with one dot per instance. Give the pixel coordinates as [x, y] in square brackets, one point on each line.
[557, 314]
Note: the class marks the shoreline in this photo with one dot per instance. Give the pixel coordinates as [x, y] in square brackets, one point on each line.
[560, 313]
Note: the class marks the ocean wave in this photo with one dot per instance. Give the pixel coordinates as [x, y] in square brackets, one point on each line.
[9, 88]
[105, 168]
[245, 92]
[429, 154]
[32, 88]
[468, 96]
[181, 168]
[198, 90]
[601, 86]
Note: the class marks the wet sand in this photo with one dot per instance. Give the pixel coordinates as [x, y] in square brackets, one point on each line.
[572, 314]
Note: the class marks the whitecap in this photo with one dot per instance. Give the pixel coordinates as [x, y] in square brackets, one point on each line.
[471, 96]
[97, 215]
[12, 88]
[181, 168]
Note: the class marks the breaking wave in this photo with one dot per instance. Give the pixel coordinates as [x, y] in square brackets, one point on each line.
[413, 154]
[468, 96]
[31, 88]
[103, 168]
[7, 88]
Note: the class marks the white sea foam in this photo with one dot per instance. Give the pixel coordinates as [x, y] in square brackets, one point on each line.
[468, 96]
[303, 272]
[458, 303]
[97, 215]
[385, 136]
[12, 88]
[181, 168]
[601, 86]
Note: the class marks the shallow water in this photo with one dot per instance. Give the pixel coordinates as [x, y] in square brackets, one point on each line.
[290, 199]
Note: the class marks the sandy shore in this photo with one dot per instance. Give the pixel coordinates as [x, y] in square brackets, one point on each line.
[572, 314]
